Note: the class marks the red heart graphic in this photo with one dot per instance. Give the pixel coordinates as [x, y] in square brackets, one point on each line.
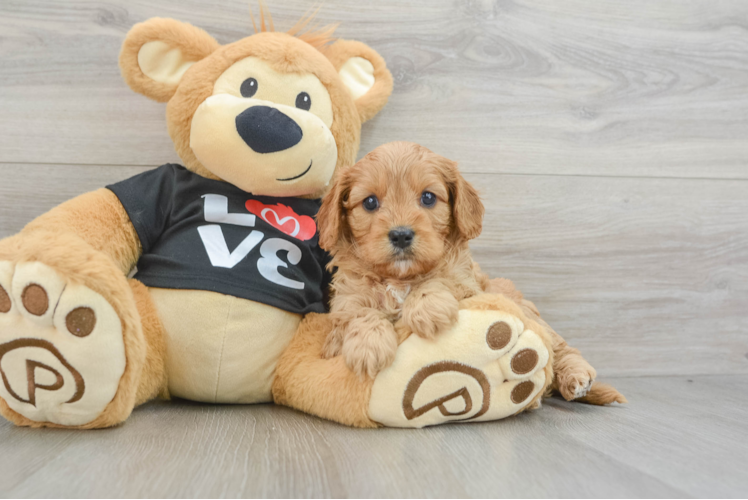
[301, 227]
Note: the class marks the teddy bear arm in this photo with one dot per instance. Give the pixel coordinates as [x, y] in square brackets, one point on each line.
[99, 219]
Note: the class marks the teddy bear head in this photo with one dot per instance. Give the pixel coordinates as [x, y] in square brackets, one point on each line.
[274, 113]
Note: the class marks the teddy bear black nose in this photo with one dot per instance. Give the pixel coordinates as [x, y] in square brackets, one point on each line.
[401, 237]
[267, 130]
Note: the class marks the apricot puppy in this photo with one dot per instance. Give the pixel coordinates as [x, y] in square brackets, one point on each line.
[397, 225]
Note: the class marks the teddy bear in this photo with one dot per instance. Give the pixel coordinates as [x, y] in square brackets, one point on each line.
[227, 300]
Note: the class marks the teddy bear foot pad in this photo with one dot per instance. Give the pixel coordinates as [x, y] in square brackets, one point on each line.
[62, 352]
[487, 367]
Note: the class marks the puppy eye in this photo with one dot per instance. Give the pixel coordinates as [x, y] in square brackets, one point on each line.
[428, 199]
[249, 87]
[371, 203]
[303, 101]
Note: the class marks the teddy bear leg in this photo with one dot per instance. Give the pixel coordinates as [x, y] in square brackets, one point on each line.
[72, 346]
[574, 377]
[153, 379]
[493, 363]
[304, 380]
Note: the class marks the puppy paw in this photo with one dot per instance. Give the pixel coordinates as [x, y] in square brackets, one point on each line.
[333, 346]
[333, 343]
[430, 313]
[369, 346]
[575, 381]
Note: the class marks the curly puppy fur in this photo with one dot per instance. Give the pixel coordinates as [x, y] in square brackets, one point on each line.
[383, 292]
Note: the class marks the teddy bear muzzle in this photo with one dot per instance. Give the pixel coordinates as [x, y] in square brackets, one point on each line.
[263, 147]
[267, 130]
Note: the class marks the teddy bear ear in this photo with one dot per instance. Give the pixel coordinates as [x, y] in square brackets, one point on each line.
[156, 53]
[364, 73]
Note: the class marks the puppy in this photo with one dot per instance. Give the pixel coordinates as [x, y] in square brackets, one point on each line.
[397, 225]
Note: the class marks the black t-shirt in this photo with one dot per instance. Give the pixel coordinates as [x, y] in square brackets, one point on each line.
[204, 234]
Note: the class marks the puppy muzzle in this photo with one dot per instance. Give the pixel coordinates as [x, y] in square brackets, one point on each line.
[401, 238]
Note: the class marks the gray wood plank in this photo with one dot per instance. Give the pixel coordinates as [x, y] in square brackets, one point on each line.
[645, 276]
[594, 88]
[28, 191]
[676, 438]
[20, 461]
[681, 430]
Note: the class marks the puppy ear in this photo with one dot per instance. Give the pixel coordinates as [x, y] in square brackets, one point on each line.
[156, 53]
[467, 209]
[364, 73]
[330, 216]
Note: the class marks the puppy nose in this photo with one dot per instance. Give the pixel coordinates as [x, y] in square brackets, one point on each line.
[267, 130]
[401, 237]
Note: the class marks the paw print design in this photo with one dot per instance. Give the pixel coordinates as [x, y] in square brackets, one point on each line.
[61, 348]
[486, 367]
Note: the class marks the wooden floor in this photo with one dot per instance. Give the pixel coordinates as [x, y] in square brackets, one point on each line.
[679, 437]
[610, 142]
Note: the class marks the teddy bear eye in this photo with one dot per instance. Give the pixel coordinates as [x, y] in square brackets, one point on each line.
[428, 199]
[303, 101]
[371, 203]
[249, 87]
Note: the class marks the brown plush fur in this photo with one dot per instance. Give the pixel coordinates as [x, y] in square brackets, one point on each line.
[284, 52]
[322, 387]
[316, 38]
[153, 381]
[374, 100]
[570, 369]
[378, 289]
[99, 219]
[341, 50]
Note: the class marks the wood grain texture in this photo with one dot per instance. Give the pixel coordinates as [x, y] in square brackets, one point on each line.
[678, 437]
[638, 88]
[645, 276]
[29, 190]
